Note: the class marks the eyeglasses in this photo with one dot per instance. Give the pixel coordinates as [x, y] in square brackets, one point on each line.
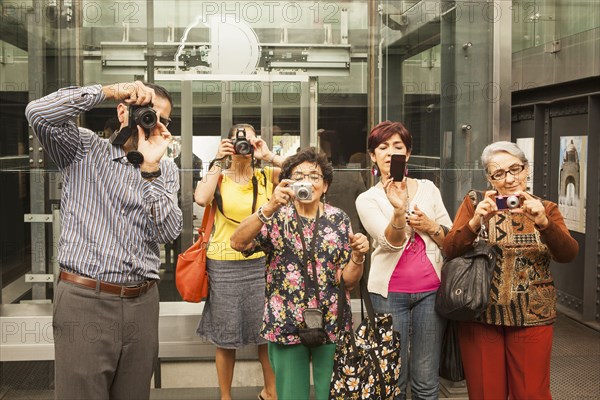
[165, 121]
[313, 176]
[514, 170]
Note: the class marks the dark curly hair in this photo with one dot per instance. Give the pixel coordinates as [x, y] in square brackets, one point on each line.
[311, 155]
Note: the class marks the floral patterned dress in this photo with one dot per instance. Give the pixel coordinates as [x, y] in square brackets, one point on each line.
[285, 300]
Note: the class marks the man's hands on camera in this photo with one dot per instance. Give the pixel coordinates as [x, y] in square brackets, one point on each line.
[154, 147]
[130, 93]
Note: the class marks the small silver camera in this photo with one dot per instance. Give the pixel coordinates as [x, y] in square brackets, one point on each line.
[302, 190]
[509, 202]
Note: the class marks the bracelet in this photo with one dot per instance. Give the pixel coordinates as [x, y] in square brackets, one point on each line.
[361, 261]
[439, 230]
[398, 228]
[262, 217]
[218, 164]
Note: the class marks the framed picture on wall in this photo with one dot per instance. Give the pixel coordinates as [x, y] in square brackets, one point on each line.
[572, 181]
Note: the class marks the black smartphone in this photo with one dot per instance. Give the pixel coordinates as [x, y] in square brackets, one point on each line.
[397, 167]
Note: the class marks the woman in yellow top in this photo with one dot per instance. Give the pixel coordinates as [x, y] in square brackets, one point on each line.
[233, 311]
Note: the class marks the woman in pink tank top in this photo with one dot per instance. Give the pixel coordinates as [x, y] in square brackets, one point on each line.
[407, 221]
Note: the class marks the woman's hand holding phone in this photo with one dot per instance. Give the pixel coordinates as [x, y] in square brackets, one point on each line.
[397, 167]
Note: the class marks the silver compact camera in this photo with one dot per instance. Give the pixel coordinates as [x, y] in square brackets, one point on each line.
[302, 190]
[509, 202]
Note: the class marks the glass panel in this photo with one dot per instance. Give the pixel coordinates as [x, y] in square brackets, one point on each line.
[286, 117]
[422, 79]
[539, 22]
[246, 103]
[319, 47]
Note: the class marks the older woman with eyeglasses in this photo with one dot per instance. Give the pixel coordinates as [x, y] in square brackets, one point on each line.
[506, 352]
[308, 245]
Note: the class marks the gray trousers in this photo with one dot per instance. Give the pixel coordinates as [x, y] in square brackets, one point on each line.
[105, 346]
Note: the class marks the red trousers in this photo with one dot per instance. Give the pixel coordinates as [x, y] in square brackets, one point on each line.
[503, 362]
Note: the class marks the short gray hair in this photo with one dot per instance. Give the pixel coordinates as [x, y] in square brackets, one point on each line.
[499, 147]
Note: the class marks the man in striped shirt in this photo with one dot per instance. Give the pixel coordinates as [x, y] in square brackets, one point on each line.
[114, 215]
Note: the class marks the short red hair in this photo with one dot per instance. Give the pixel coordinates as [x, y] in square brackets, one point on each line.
[385, 130]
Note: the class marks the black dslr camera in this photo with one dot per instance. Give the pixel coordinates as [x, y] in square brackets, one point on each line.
[241, 144]
[144, 116]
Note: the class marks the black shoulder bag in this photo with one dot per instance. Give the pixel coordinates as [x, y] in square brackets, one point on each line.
[312, 334]
[465, 282]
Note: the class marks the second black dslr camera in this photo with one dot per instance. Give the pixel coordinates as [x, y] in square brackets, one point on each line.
[241, 144]
[144, 116]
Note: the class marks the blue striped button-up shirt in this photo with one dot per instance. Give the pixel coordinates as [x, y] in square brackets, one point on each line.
[112, 220]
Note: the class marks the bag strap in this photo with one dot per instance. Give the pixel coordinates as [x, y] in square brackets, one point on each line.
[363, 299]
[343, 306]
[371, 325]
[314, 282]
[208, 219]
[207, 223]
[476, 197]
[219, 198]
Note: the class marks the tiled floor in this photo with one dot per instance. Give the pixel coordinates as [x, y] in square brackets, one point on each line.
[575, 373]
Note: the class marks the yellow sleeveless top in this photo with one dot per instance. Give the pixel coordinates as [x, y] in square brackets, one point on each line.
[237, 205]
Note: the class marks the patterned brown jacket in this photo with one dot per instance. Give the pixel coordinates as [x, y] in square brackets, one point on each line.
[522, 292]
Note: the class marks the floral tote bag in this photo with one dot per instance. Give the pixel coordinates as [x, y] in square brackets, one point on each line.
[367, 361]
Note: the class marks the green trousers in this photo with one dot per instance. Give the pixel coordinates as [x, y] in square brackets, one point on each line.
[291, 364]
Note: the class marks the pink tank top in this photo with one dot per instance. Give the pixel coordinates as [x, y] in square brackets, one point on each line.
[414, 273]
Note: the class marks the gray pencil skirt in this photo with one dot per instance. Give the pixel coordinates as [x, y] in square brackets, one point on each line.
[233, 312]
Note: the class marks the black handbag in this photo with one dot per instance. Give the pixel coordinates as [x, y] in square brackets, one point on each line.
[366, 363]
[451, 366]
[466, 280]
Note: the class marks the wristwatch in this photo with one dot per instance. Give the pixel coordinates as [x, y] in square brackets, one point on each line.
[150, 175]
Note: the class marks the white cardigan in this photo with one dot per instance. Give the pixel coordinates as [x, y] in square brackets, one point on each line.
[375, 212]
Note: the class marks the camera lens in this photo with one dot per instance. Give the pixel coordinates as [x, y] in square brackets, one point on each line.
[242, 147]
[512, 202]
[303, 194]
[145, 117]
